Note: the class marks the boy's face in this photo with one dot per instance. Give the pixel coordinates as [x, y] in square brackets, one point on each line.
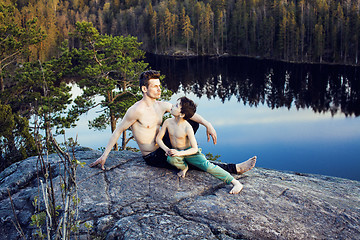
[176, 109]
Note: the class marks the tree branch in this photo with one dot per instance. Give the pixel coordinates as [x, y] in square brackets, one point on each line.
[17, 225]
[15, 53]
[123, 93]
[94, 50]
[127, 141]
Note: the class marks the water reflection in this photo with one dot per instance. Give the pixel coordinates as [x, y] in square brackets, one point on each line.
[323, 88]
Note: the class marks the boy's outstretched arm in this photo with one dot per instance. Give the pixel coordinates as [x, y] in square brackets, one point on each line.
[160, 135]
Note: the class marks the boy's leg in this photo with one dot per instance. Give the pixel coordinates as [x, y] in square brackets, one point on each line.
[179, 163]
[199, 160]
[229, 167]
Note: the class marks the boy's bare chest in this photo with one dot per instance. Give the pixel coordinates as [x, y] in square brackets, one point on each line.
[177, 132]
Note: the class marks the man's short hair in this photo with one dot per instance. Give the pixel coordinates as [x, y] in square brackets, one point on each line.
[146, 76]
[188, 107]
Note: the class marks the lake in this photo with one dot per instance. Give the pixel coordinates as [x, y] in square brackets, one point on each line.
[295, 117]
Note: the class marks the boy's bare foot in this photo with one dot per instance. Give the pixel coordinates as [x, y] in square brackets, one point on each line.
[246, 166]
[237, 187]
[182, 173]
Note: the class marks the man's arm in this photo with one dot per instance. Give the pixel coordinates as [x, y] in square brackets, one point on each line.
[210, 130]
[128, 120]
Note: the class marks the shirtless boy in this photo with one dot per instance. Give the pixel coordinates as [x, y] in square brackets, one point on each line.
[145, 117]
[184, 149]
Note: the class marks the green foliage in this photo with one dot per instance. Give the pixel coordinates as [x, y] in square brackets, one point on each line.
[38, 219]
[37, 89]
[211, 157]
[15, 38]
[266, 28]
[16, 141]
[132, 149]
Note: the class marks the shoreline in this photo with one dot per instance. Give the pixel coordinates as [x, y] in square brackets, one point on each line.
[178, 55]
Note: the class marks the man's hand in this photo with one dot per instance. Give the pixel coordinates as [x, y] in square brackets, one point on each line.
[101, 160]
[210, 131]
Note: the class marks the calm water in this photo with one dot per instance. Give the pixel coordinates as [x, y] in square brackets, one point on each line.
[296, 117]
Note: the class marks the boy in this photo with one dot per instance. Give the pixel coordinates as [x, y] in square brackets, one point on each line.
[185, 150]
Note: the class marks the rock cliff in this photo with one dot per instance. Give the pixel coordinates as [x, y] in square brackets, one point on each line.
[131, 200]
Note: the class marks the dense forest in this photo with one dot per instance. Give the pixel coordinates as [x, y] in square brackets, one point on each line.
[101, 45]
[35, 97]
[290, 30]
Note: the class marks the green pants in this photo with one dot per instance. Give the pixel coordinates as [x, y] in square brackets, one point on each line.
[199, 160]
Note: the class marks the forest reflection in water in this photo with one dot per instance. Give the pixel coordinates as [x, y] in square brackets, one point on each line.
[298, 117]
[323, 88]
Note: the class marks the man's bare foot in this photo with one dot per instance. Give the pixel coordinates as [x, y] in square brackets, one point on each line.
[182, 173]
[246, 166]
[237, 187]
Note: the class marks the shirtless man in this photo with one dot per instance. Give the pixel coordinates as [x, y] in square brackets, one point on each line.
[145, 117]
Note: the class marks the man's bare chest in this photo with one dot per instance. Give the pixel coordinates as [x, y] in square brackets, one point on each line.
[150, 119]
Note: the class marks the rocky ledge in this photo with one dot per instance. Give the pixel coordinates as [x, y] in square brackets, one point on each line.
[131, 200]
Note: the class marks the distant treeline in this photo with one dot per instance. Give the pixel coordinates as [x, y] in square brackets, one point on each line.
[290, 30]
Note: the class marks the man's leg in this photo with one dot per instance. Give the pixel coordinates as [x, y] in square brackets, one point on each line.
[158, 159]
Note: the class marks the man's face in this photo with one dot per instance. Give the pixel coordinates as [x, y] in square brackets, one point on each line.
[153, 90]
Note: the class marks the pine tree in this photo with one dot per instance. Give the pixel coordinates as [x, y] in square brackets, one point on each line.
[187, 31]
[109, 67]
[15, 38]
[319, 41]
[154, 28]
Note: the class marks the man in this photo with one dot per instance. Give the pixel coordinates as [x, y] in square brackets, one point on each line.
[145, 117]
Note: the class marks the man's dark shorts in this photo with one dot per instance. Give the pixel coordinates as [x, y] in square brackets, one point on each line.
[158, 157]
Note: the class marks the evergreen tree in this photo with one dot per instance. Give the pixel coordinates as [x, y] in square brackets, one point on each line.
[37, 92]
[187, 30]
[109, 66]
[319, 41]
[270, 28]
[16, 141]
[15, 38]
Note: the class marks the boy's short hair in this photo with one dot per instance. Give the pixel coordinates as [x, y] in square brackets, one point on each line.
[188, 107]
[146, 76]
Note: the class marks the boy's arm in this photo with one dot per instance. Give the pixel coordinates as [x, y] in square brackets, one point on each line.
[128, 120]
[160, 135]
[210, 130]
[193, 144]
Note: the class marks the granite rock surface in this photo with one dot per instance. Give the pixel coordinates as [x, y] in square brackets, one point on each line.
[130, 200]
